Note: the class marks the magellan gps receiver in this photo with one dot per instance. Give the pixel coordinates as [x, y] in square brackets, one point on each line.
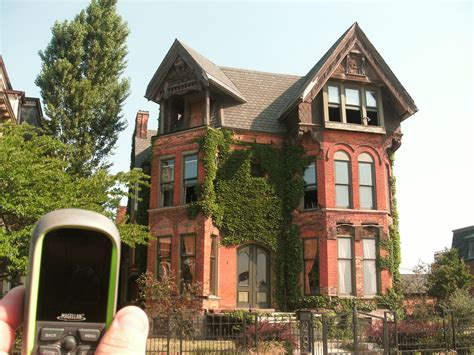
[71, 290]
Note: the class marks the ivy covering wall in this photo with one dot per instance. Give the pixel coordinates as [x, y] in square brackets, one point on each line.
[250, 192]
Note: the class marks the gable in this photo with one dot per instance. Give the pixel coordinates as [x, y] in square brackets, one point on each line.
[352, 57]
[206, 73]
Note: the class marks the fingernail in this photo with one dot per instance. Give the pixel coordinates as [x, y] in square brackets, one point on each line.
[132, 320]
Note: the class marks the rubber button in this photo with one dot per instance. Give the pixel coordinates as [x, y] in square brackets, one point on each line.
[89, 334]
[85, 350]
[49, 350]
[51, 334]
[69, 343]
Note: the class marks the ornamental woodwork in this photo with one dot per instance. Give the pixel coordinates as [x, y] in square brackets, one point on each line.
[180, 80]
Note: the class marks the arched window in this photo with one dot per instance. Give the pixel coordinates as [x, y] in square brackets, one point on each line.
[366, 182]
[342, 178]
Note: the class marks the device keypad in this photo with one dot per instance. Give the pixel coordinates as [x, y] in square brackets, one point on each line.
[72, 340]
[49, 350]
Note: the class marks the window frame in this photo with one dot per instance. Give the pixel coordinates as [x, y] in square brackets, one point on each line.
[161, 184]
[183, 175]
[349, 177]
[316, 260]
[351, 263]
[213, 269]
[363, 104]
[371, 163]
[311, 188]
[375, 260]
[470, 247]
[182, 257]
[159, 258]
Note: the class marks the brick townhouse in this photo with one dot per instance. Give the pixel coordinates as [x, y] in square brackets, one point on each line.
[346, 114]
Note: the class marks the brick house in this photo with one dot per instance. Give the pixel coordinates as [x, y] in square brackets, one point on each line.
[346, 114]
[463, 240]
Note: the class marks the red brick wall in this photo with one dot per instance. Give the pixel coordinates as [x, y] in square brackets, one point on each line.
[319, 223]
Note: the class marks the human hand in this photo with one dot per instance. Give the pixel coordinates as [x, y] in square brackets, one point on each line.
[126, 335]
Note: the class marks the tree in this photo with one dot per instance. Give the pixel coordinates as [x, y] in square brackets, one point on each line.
[447, 274]
[34, 181]
[81, 83]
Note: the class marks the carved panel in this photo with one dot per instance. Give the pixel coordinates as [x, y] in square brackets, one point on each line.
[355, 64]
[180, 79]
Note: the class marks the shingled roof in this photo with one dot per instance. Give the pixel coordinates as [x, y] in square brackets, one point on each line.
[207, 71]
[266, 94]
[143, 149]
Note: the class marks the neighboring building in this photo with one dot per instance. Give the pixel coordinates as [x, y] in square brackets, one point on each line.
[463, 240]
[134, 259]
[14, 105]
[17, 108]
[415, 292]
[345, 112]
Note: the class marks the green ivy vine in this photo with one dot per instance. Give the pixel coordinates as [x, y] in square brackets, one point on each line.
[250, 192]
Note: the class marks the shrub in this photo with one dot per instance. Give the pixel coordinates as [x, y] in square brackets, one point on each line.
[268, 335]
[172, 311]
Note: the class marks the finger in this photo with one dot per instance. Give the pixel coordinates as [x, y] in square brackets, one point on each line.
[127, 334]
[11, 316]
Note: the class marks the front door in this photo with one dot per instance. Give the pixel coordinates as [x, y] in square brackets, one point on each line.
[253, 277]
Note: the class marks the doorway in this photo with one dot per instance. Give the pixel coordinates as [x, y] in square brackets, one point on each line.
[253, 277]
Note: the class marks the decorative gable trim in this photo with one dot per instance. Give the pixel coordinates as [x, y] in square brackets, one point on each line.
[354, 37]
[201, 67]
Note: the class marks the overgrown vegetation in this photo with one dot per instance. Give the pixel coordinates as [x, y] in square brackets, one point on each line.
[250, 192]
[171, 311]
[34, 180]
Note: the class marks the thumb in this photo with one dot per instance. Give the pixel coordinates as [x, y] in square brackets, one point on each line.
[127, 334]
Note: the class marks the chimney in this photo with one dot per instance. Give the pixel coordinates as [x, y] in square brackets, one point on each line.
[141, 124]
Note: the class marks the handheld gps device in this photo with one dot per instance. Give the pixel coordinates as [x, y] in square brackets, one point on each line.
[71, 290]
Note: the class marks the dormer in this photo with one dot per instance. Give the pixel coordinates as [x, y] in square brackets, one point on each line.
[190, 90]
[350, 88]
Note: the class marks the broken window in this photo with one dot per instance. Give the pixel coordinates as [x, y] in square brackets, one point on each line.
[310, 187]
[371, 108]
[190, 178]
[167, 182]
[334, 105]
[176, 114]
[353, 107]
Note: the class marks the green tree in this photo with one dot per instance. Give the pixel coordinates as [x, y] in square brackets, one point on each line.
[81, 83]
[34, 181]
[447, 274]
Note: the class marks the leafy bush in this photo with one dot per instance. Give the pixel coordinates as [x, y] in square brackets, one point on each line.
[172, 311]
[270, 335]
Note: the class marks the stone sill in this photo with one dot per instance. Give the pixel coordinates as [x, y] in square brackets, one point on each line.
[354, 127]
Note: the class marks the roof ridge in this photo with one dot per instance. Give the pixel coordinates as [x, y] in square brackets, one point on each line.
[259, 71]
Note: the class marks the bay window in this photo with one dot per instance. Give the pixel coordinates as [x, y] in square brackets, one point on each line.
[366, 181]
[342, 179]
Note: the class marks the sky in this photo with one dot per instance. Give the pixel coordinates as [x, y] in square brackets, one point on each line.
[427, 44]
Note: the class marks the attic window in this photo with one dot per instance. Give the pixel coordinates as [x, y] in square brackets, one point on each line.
[354, 104]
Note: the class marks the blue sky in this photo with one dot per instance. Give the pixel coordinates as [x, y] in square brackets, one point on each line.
[427, 44]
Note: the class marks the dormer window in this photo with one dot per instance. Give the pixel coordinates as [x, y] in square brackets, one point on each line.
[352, 104]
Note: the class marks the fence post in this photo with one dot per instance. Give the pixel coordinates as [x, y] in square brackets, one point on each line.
[181, 334]
[395, 319]
[243, 332]
[256, 333]
[325, 333]
[168, 335]
[454, 330]
[386, 346]
[305, 318]
[354, 329]
[445, 331]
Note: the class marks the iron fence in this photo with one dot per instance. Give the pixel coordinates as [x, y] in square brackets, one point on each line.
[307, 332]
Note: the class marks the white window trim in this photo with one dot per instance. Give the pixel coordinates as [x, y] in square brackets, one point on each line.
[362, 92]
